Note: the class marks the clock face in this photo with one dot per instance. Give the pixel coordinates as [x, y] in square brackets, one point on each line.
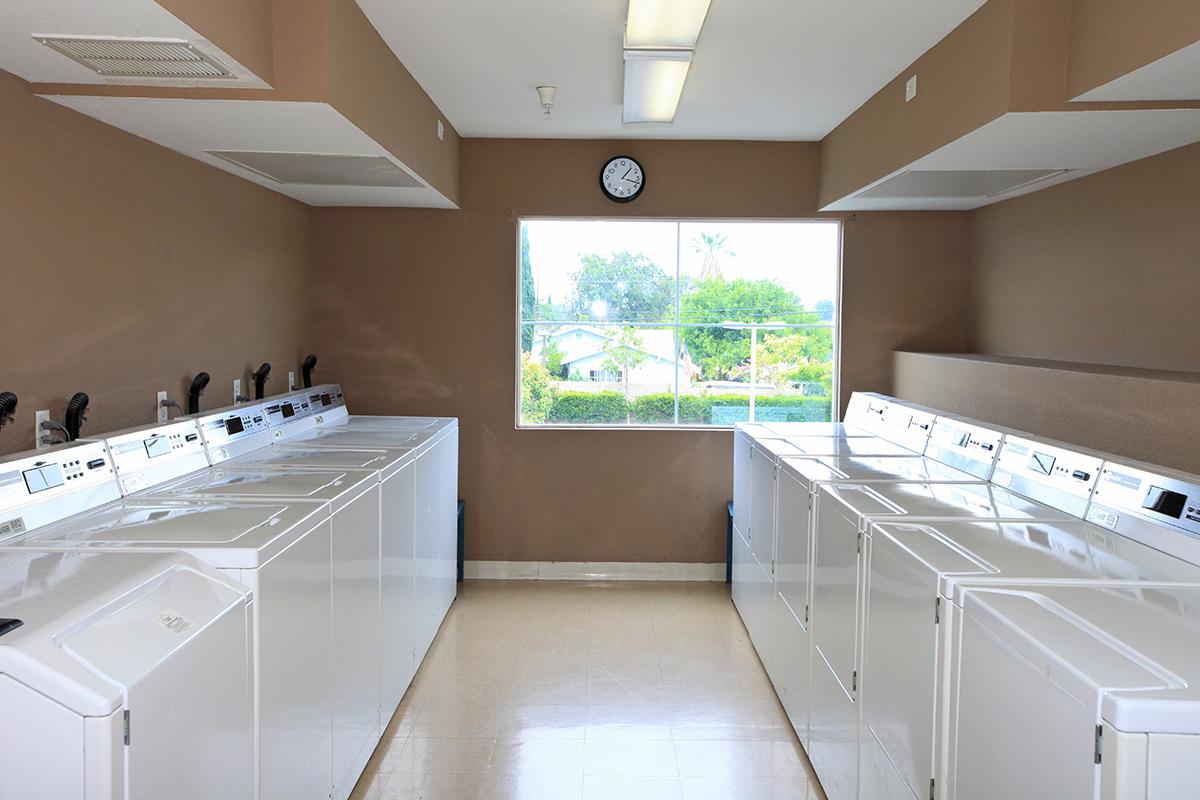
[622, 179]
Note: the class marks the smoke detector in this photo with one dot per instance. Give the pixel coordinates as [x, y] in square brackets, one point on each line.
[138, 57]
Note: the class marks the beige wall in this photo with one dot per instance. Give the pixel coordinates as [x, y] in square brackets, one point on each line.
[414, 313]
[1110, 38]
[1099, 271]
[128, 268]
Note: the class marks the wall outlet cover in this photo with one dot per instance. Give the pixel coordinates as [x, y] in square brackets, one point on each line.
[291, 380]
[441, 131]
[910, 89]
[237, 391]
[43, 438]
[162, 410]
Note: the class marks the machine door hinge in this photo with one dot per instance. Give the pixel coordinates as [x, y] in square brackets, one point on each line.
[1099, 742]
[126, 724]
[860, 535]
[931, 785]
[937, 611]
[854, 681]
[806, 607]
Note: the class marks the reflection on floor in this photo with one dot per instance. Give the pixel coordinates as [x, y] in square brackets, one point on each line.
[574, 691]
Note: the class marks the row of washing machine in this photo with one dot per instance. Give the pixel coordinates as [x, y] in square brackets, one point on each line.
[949, 609]
[230, 605]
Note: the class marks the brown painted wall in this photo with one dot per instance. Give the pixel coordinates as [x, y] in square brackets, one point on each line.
[1110, 38]
[242, 28]
[414, 313]
[128, 268]
[1102, 269]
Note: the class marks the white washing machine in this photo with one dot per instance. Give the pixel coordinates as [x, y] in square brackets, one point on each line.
[967, 445]
[798, 481]
[281, 550]
[1077, 691]
[352, 500]
[95, 645]
[845, 517]
[432, 449]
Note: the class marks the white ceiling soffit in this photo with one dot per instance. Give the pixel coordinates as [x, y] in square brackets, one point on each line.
[258, 130]
[25, 56]
[1077, 143]
[1172, 77]
[775, 69]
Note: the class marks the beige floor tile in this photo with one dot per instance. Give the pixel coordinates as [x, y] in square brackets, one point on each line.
[646, 758]
[610, 787]
[413, 786]
[740, 759]
[442, 757]
[519, 756]
[624, 722]
[533, 786]
[742, 788]
[443, 721]
[543, 722]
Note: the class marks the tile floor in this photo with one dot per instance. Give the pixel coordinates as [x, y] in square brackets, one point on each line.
[578, 691]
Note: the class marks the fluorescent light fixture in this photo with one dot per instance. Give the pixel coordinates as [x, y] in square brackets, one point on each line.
[664, 24]
[653, 83]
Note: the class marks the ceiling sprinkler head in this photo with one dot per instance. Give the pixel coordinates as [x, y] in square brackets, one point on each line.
[546, 98]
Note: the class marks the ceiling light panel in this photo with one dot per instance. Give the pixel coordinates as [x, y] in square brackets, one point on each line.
[664, 24]
[653, 84]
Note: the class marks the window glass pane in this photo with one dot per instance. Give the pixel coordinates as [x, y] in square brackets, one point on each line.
[609, 336]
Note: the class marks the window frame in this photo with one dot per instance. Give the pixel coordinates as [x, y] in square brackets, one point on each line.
[835, 389]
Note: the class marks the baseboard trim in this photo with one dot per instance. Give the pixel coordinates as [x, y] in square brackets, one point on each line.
[592, 571]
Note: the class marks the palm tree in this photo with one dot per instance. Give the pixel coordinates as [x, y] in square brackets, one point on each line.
[712, 246]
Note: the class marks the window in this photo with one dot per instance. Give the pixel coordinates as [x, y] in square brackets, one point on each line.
[676, 323]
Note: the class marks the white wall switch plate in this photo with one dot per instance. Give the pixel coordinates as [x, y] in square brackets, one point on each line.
[237, 391]
[43, 438]
[291, 380]
[162, 410]
[910, 89]
[441, 131]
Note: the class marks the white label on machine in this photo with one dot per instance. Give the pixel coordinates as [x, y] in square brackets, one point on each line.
[1102, 516]
[1003, 479]
[173, 621]
[12, 527]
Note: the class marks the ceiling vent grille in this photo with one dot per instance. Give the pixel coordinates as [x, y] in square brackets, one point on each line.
[137, 57]
[323, 169]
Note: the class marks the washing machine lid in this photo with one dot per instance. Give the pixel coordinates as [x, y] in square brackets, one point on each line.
[775, 449]
[934, 501]
[984, 552]
[338, 437]
[335, 487]
[368, 422]
[303, 457]
[223, 533]
[873, 468]
[1129, 650]
[93, 625]
[805, 429]
[847, 446]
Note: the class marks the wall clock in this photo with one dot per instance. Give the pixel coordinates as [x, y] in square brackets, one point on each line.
[622, 179]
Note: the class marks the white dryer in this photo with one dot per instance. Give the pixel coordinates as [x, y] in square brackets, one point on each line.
[846, 514]
[799, 478]
[1077, 692]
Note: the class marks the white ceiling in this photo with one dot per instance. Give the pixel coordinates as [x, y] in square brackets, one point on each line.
[22, 55]
[773, 69]
[1081, 142]
[193, 127]
[1173, 77]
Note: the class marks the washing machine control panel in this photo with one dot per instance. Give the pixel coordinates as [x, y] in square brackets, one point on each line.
[906, 426]
[151, 456]
[972, 448]
[1059, 477]
[1166, 499]
[236, 431]
[328, 403]
[45, 486]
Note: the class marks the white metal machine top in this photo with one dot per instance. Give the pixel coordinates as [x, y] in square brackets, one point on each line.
[41, 487]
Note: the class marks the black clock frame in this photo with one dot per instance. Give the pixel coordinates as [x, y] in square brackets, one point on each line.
[632, 197]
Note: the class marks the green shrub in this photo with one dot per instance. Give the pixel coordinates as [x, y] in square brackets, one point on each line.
[726, 409]
[588, 408]
[659, 409]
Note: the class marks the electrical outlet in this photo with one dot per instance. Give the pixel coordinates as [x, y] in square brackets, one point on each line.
[162, 410]
[291, 380]
[237, 391]
[910, 89]
[43, 438]
[441, 131]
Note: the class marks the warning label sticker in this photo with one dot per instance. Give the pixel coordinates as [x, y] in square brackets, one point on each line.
[173, 621]
[12, 527]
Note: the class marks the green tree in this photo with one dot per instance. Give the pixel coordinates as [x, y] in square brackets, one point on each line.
[719, 350]
[711, 246]
[528, 294]
[798, 356]
[552, 357]
[623, 353]
[633, 287]
[537, 391]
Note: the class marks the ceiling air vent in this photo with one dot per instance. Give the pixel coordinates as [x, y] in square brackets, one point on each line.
[321, 168]
[137, 57]
[967, 184]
